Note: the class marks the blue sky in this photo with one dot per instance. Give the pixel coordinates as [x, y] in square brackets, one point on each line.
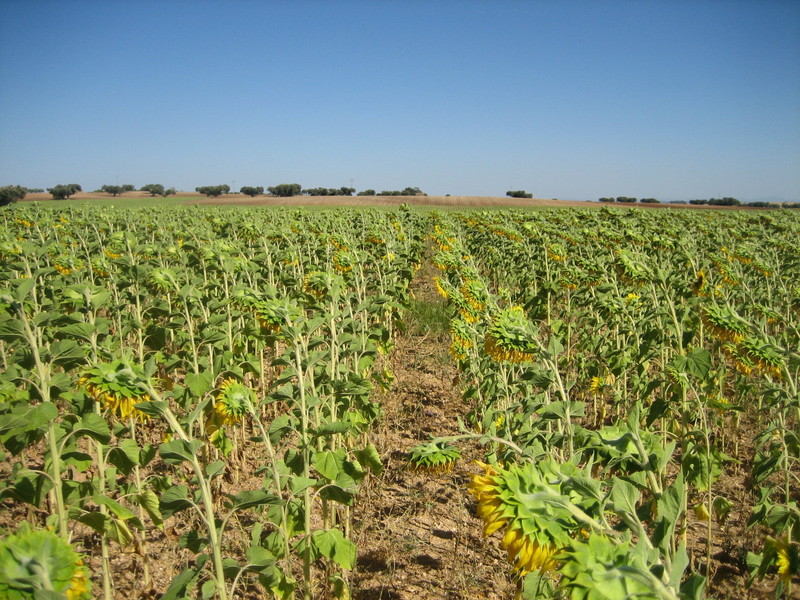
[572, 99]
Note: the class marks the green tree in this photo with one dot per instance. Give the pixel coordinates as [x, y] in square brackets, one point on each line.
[649, 201]
[63, 191]
[605, 199]
[285, 190]
[128, 188]
[11, 193]
[251, 191]
[114, 190]
[519, 194]
[212, 191]
[626, 199]
[155, 189]
[366, 193]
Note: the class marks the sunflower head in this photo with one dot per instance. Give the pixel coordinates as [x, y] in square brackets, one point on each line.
[321, 285]
[233, 402]
[724, 323]
[510, 337]
[343, 261]
[434, 457]
[763, 355]
[534, 529]
[117, 386]
[36, 561]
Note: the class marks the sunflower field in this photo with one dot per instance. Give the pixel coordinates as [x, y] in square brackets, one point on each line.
[620, 365]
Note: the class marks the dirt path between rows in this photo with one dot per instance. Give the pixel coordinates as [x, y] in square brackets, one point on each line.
[417, 534]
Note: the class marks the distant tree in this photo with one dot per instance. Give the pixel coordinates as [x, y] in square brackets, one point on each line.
[285, 190]
[606, 199]
[63, 191]
[251, 191]
[649, 201]
[626, 199]
[519, 194]
[114, 190]
[155, 189]
[34, 190]
[366, 193]
[212, 191]
[698, 201]
[11, 193]
[226, 189]
[169, 192]
[724, 202]
[346, 191]
[315, 192]
[678, 202]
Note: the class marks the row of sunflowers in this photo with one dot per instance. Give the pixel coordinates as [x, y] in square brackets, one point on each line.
[623, 367]
[148, 355]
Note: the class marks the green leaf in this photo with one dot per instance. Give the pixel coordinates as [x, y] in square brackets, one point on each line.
[624, 496]
[185, 581]
[215, 468]
[94, 426]
[66, 353]
[333, 545]
[115, 507]
[176, 452]
[154, 409]
[250, 498]
[332, 428]
[149, 502]
[298, 484]
[200, 383]
[125, 456]
[174, 500]
[191, 540]
[369, 458]
[209, 588]
[118, 531]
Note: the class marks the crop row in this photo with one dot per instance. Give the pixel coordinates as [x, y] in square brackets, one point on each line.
[615, 362]
[144, 351]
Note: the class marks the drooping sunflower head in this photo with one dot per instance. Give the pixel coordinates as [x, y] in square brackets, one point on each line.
[321, 284]
[724, 323]
[117, 386]
[510, 337]
[556, 252]
[763, 355]
[434, 457]
[343, 261]
[233, 402]
[700, 283]
[534, 529]
[34, 561]
[630, 269]
[461, 339]
[274, 314]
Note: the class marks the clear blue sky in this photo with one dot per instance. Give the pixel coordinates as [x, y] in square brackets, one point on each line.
[568, 99]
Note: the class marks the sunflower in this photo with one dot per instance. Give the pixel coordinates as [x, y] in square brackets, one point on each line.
[461, 341]
[509, 338]
[435, 457]
[724, 323]
[786, 561]
[763, 355]
[233, 402]
[535, 530]
[117, 386]
[35, 562]
[556, 252]
[343, 261]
